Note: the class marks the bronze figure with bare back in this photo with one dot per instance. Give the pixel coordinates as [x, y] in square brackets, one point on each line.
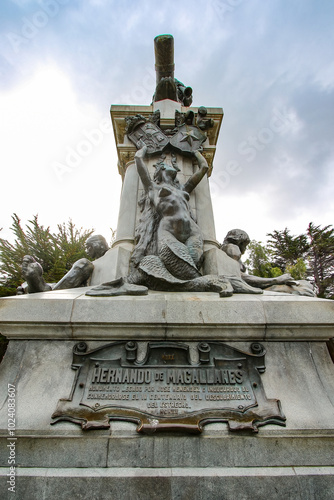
[169, 245]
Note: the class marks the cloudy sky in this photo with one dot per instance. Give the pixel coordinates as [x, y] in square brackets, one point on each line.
[269, 64]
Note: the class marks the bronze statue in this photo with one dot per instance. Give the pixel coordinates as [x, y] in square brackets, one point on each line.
[176, 238]
[168, 252]
[169, 246]
[168, 87]
[235, 244]
[202, 121]
[78, 275]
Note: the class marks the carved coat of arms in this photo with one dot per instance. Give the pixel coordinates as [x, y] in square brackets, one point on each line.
[151, 135]
[188, 139]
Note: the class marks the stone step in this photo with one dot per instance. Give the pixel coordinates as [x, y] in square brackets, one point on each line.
[242, 483]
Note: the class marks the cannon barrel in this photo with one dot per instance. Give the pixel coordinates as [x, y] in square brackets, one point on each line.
[164, 56]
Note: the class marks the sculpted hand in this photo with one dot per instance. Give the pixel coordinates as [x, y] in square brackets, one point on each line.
[286, 279]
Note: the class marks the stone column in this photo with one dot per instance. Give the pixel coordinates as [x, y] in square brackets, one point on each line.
[128, 208]
[115, 263]
[204, 211]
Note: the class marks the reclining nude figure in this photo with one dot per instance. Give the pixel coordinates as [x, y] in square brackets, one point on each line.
[169, 244]
[78, 275]
[234, 245]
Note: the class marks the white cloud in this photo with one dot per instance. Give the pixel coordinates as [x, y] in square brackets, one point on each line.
[42, 121]
[249, 59]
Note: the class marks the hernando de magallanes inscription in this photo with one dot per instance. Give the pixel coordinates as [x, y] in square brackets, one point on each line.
[166, 390]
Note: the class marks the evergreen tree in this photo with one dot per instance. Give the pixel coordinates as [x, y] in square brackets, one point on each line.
[260, 262]
[298, 271]
[287, 249]
[321, 258]
[56, 252]
[307, 255]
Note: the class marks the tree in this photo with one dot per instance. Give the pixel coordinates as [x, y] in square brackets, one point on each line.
[56, 252]
[286, 249]
[298, 271]
[260, 261]
[307, 255]
[321, 258]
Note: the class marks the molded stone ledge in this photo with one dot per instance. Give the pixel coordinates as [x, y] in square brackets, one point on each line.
[69, 314]
[248, 483]
[165, 451]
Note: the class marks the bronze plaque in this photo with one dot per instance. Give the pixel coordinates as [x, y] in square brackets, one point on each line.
[167, 390]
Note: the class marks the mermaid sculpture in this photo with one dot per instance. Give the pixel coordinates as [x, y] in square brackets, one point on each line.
[168, 239]
[169, 246]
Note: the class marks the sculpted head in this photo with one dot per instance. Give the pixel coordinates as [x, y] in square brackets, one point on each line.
[165, 172]
[237, 237]
[96, 246]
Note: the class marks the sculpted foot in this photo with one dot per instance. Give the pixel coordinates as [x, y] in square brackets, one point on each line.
[117, 287]
[208, 283]
[32, 272]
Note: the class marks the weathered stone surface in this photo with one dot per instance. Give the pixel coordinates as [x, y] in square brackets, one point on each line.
[299, 374]
[68, 314]
[218, 262]
[114, 264]
[282, 483]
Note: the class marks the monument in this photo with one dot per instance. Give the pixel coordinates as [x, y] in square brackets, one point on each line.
[173, 374]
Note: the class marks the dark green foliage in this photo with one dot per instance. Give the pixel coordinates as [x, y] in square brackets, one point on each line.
[321, 258]
[260, 262]
[298, 271]
[307, 255]
[56, 252]
[287, 249]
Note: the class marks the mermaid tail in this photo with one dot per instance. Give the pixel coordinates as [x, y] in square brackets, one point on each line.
[177, 260]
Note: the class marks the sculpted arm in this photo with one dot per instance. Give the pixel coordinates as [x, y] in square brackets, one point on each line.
[142, 168]
[197, 176]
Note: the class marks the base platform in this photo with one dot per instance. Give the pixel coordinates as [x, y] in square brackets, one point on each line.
[63, 461]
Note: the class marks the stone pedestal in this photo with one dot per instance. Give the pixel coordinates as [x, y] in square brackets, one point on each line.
[63, 461]
[116, 262]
